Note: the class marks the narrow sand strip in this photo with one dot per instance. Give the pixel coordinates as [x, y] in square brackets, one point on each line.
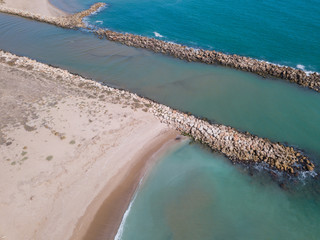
[42, 7]
[65, 146]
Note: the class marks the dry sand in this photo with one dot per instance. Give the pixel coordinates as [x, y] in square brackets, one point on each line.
[66, 149]
[42, 7]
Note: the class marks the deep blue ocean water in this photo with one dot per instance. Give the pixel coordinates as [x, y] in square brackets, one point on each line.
[192, 193]
[284, 32]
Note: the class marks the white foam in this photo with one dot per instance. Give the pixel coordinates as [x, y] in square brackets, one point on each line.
[303, 68]
[125, 216]
[304, 175]
[99, 10]
[123, 221]
[171, 42]
[86, 19]
[299, 66]
[89, 27]
[157, 34]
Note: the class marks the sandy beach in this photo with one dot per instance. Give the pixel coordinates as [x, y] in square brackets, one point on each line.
[67, 148]
[42, 7]
[68, 155]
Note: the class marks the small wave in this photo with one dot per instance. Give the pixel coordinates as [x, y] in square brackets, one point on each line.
[304, 175]
[99, 10]
[120, 230]
[89, 27]
[157, 34]
[125, 215]
[196, 49]
[298, 66]
[303, 68]
[87, 21]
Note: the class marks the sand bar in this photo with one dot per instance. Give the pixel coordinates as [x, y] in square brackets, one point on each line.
[66, 144]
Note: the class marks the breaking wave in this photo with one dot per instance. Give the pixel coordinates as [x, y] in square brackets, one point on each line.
[156, 34]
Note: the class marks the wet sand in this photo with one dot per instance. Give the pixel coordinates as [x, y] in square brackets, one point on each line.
[105, 223]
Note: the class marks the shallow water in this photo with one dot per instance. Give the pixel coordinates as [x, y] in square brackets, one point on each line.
[193, 194]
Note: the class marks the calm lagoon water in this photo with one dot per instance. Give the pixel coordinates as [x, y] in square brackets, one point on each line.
[192, 193]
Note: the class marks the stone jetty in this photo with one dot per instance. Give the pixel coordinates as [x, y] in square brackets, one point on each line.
[247, 64]
[237, 146]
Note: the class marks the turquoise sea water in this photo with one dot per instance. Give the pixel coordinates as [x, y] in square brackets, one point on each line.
[192, 193]
[285, 32]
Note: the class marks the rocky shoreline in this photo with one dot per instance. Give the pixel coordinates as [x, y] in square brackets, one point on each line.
[237, 146]
[247, 64]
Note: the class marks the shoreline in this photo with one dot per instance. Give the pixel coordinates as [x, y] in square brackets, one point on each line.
[237, 146]
[65, 142]
[116, 199]
[243, 63]
[105, 213]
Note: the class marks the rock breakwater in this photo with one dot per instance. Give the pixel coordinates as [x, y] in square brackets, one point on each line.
[247, 64]
[237, 146]
[213, 57]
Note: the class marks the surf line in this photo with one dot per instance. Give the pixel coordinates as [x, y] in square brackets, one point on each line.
[262, 68]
